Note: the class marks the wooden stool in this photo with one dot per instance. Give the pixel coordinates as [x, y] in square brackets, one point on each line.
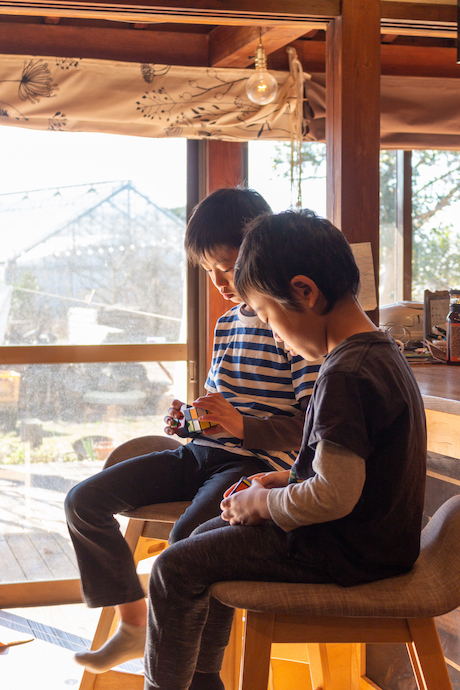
[395, 610]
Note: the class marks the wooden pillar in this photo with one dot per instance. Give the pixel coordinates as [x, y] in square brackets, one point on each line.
[196, 319]
[353, 122]
[226, 166]
[403, 225]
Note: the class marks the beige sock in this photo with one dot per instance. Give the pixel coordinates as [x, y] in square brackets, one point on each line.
[127, 643]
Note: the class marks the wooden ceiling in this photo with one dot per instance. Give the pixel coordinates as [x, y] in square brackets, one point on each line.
[417, 39]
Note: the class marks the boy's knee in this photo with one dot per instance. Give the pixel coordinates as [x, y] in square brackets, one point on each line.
[71, 501]
[181, 530]
[213, 523]
[78, 502]
[164, 566]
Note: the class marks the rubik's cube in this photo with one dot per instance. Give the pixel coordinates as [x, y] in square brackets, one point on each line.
[243, 483]
[191, 421]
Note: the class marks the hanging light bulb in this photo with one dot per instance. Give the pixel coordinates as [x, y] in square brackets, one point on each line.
[261, 88]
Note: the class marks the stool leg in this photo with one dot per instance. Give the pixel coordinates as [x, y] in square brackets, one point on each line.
[230, 672]
[426, 655]
[255, 665]
[319, 666]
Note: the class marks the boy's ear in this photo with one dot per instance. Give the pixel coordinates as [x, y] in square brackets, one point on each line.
[305, 290]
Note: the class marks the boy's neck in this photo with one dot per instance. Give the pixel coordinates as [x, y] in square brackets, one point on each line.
[345, 320]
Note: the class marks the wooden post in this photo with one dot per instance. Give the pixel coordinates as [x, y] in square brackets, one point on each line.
[226, 166]
[403, 225]
[196, 310]
[353, 123]
[353, 134]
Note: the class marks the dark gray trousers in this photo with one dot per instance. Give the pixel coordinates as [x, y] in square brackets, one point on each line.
[194, 473]
[188, 629]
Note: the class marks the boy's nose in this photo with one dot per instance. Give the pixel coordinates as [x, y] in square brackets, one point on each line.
[220, 279]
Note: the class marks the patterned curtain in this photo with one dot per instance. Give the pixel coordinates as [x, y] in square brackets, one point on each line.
[154, 100]
[150, 100]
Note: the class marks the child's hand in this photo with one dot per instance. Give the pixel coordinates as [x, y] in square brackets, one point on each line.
[272, 480]
[222, 413]
[267, 479]
[173, 414]
[248, 507]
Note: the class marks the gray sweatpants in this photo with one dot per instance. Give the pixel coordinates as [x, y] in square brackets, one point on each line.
[188, 630]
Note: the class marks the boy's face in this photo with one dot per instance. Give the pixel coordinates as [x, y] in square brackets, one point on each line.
[220, 267]
[303, 332]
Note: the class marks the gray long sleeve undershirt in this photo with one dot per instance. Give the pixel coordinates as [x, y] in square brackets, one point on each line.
[329, 495]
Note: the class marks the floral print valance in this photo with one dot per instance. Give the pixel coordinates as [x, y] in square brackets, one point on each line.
[152, 100]
[69, 94]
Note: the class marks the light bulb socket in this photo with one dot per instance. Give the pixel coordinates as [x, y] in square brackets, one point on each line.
[260, 57]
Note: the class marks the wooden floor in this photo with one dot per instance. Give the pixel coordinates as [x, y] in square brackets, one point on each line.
[34, 544]
[34, 541]
[47, 663]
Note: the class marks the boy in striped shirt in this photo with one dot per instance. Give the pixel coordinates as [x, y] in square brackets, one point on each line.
[257, 393]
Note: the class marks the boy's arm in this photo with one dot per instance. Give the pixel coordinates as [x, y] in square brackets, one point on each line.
[278, 432]
[329, 495]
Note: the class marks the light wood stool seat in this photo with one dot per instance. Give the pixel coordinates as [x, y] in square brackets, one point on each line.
[395, 610]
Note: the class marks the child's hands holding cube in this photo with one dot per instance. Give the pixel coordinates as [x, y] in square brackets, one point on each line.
[270, 480]
[221, 414]
[209, 414]
[248, 507]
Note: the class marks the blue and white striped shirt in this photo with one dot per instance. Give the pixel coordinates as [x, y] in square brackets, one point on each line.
[258, 376]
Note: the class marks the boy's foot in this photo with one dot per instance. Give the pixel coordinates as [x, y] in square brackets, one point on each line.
[127, 643]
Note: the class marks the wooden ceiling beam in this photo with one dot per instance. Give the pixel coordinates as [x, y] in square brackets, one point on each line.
[418, 19]
[235, 46]
[418, 11]
[126, 45]
[222, 12]
[396, 60]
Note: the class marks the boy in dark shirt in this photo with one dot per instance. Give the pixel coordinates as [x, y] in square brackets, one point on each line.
[350, 509]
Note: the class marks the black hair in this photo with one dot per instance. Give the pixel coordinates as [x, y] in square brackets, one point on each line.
[278, 247]
[218, 221]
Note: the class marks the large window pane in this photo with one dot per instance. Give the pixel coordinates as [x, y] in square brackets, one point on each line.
[58, 423]
[91, 254]
[99, 261]
[388, 235]
[436, 235]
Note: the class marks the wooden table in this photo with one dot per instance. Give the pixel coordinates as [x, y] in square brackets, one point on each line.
[440, 388]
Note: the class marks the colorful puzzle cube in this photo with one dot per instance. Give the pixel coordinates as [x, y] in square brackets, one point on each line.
[191, 421]
[242, 484]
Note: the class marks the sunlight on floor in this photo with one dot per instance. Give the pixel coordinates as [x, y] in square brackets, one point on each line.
[47, 662]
